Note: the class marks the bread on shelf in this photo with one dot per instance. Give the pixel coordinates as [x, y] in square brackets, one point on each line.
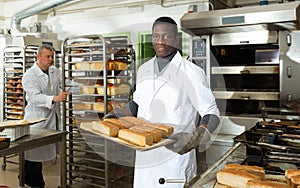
[96, 65]
[120, 65]
[120, 89]
[100, 89]
[87, 90]
[10, 90]
[9, 85]
[82, 66]
[82, 106]
[99, 106]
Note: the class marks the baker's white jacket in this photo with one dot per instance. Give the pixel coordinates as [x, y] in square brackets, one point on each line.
[173, 97]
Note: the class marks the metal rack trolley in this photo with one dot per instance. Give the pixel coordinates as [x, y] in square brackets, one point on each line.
[17, 60]
[85, 61]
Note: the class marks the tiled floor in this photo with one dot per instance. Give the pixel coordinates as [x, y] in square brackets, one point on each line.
[9, 176]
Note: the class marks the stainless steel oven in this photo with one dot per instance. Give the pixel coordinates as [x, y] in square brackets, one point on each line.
[251, 57]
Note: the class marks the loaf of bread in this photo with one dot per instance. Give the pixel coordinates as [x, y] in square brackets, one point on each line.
[116, 122]
[82, 66]
[120, 65]
[117, 64]
[86, 90]
[10, 90]
[82, 106]
[236, 178]
[12, 81]
[289, 173]
[265, 184]
[120, 89]
[125, 123]
[9, 85]
[96, 65]
[133, 120]
[157, 134]
[295, 181]
[99, 106]
[253, 169]
[106, 128]
[167, 129]
[135, 137]
[10, 100]
[100, 89]
[17, 110]
[78, 121]
[19, 91]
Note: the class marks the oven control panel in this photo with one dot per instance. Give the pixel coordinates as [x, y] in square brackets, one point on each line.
[199, 47]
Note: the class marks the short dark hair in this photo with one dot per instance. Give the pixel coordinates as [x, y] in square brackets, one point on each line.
[45, 46]
[166, 20]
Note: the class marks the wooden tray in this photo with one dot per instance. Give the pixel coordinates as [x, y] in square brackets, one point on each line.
[163, 142]
[16, 123]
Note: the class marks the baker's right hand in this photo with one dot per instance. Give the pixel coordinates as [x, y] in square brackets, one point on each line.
[62, 97]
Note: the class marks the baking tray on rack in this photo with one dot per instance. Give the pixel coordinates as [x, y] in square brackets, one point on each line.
[17, 123]
[163, 142]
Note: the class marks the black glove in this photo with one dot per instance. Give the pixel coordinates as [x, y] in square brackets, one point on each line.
[185, 142]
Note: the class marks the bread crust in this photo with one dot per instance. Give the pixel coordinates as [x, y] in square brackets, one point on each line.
[236, 178]
[136, 137]
[265, 184]
[106, 128]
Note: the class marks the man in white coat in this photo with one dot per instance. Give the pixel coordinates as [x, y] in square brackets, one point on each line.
[172, 91]
[42, 86]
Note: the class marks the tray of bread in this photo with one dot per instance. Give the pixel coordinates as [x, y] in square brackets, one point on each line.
[247, 176]
[132, 132]
[17, 123]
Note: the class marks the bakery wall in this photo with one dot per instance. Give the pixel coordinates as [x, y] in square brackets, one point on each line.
[76, 20]
[72, 19]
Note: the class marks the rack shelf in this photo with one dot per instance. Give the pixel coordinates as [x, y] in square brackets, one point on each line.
[86, 62]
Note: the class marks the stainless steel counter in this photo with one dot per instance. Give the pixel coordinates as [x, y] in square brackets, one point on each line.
[207, 179]
[38, 138]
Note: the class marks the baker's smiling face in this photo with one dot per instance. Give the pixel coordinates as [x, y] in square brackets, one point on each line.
[164, 39]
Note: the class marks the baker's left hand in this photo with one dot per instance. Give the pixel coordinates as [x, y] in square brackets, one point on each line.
[185, 142]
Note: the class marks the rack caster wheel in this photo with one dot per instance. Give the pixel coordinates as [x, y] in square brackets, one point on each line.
[3, 167]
